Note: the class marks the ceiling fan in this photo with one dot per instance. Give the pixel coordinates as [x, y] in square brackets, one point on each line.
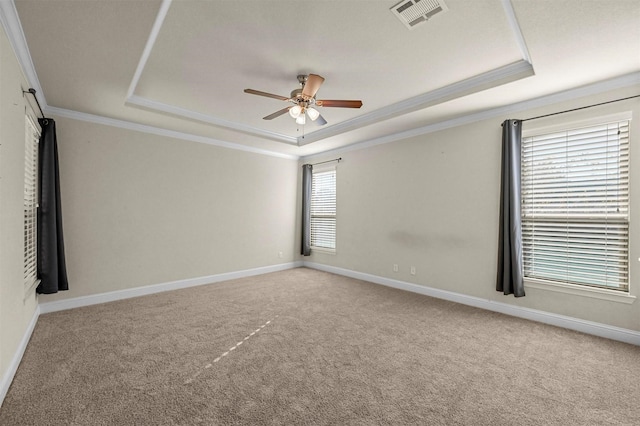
[304, 101]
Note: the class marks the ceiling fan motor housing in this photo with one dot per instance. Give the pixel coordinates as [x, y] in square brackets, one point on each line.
[298, 98]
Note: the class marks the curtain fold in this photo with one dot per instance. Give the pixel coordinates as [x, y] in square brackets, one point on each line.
[307, 175]
[510, 267]
[52, 270]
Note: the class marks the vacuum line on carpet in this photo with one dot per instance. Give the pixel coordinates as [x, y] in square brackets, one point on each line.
[224, 354]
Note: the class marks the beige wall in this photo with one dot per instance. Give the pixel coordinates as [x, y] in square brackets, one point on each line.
[432, 202]
[138, 209]
[16, 310]
[142, 209]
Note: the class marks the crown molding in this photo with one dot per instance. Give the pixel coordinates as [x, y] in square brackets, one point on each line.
[13, 28]
[502, 75]
[497, 77]
[10, 21]
[149, 104]
[151, 41]
[493, 78]
[487, 80]
[515, 28]
[15, 34]
[197, 116]
[627, 80]
[129, 125]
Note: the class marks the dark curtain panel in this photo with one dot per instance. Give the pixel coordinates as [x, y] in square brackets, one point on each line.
[52, 269]
[510, 269]
[307, 175]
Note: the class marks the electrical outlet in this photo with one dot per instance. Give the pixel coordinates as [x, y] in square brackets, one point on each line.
[395, 267]
[413, 270]
[280, 255]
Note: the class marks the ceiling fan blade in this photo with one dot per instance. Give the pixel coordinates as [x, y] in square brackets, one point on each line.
[312, 85]
[320, 120]
[276, 114]
[339, 103]
[268, 95]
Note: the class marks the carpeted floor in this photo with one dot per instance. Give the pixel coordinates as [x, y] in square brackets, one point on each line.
[304, 347]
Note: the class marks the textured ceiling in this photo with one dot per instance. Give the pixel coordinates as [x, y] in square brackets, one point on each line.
[182, 65]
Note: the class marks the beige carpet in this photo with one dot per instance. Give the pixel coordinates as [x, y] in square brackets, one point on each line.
[307, 347]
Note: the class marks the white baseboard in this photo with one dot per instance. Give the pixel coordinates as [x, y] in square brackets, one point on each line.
[6, 380]
[584, 326]
[589, 327]
[111, 296]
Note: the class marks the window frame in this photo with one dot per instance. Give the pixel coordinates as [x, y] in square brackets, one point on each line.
[600, 292]
[322, 170]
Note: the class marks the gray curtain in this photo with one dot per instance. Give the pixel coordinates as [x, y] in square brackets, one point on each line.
[52, 269]
[510, 268]
[307, 175]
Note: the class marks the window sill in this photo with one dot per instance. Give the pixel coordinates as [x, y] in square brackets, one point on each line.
[596, 293]
[29, 290]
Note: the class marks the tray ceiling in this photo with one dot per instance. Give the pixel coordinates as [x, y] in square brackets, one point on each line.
[182, 66]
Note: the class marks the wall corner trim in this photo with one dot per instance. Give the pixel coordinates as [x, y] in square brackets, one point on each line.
[576, 324]
[7, 378]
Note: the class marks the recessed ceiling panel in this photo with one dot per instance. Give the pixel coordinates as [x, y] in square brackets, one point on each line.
[207, 53]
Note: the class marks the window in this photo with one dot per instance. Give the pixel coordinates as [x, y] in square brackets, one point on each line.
[32, 137]
[575, 206]
[323, 209]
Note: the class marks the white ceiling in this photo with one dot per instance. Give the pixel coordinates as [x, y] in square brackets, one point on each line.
[182, 65]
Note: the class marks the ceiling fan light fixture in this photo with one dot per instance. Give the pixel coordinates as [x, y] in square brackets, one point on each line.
[295, 111]
[313, 113]
[304, 98]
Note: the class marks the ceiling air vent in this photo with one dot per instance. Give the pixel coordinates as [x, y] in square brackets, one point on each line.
[416, 12]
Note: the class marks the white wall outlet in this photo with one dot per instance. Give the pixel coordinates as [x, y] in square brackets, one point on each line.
[280, 255]
[395, 267]
[413, 270]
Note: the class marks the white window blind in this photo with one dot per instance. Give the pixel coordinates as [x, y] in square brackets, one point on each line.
[323, 210]
[32, 137]
[575, 206]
